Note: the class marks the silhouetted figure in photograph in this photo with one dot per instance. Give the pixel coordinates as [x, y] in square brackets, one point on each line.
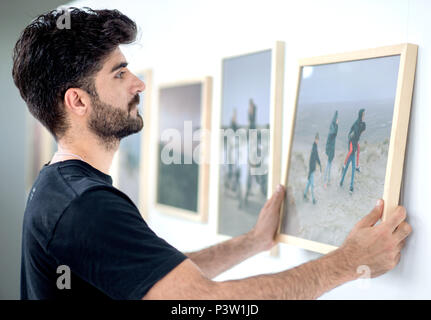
[330, 148]
[251, 114]
[354, 134]
[314, 158]
[254, 146]
[232, 180]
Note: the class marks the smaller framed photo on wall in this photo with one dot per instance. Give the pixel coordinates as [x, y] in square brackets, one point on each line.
[250, 136]
[183, 150]
[347, 142]
[130, 168]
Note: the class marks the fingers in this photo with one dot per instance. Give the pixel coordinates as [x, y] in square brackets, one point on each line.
[402, 232]
[395, 219]
[278, 196]
[401, 245]
[372, 218]
[279, 191]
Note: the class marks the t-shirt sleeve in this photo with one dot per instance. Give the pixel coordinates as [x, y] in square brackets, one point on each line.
[103, 239]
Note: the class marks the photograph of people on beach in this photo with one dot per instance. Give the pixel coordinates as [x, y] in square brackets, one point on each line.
[244, 151]
[340, 145]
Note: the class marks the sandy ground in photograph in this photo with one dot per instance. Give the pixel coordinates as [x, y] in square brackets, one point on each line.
[336, 211]
[233, 219]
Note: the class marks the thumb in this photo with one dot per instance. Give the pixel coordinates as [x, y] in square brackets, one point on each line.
[371, 219]
[278, 196]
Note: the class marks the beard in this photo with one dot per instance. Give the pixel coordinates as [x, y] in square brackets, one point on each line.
[111, 124]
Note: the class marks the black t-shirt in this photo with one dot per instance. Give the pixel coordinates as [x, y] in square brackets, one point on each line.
[75, 217]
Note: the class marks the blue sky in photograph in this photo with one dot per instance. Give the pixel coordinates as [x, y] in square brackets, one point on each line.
[368, 79]
[246, 77]
[178, 104]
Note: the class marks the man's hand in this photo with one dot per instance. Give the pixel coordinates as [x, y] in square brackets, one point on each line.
[266, 226]
[376, 246]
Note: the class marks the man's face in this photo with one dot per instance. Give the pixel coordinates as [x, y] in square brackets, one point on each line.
[114, 114]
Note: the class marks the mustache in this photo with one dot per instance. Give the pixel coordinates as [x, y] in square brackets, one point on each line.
[134, 101]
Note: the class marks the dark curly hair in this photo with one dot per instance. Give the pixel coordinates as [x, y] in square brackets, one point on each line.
[48, 60]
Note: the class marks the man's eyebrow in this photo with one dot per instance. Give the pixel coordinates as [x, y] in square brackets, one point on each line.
[119, 66]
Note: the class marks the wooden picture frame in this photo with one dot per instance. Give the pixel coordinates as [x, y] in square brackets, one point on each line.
[200, 203]
[231, 210]
[395, 145]
[130, 170]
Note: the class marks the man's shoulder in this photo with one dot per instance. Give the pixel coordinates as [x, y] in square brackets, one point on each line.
[80, 176]
[64, 183]
[55, 189]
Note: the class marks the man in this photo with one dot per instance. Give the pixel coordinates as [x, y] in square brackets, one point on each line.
[251, 114]
[314, 158]
[254, 143]
[330, 148]
[232, 147]
[354, 134]
[76, 82]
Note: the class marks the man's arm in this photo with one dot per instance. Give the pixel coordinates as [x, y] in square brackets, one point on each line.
[307, 281]
[377, 247]
[218, 258]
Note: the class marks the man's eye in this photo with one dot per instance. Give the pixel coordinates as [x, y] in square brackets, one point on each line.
[120, 74]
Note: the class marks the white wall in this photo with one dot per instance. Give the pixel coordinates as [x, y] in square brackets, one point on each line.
[187, 39]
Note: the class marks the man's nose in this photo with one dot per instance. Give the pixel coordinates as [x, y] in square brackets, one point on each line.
[140, 85]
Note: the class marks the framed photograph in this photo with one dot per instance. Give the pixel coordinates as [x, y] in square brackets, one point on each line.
[130, 169]
[250, 136]
[183, 151]
[347, 142]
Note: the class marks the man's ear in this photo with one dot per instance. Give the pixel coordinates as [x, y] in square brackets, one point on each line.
[77, 101]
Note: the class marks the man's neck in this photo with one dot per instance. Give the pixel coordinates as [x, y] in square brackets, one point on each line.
[97, 154]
